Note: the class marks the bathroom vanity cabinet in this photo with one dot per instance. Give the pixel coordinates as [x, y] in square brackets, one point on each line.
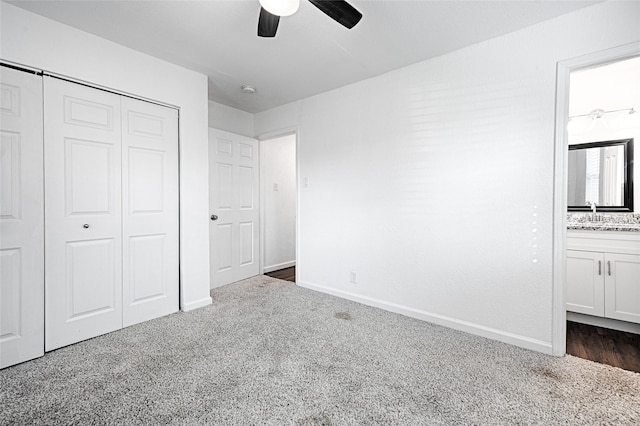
[603, 274]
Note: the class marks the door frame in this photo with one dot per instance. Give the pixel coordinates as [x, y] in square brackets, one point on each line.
[262, 138]
[560, 178]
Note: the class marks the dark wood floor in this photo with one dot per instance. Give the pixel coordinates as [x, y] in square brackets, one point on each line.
[287, 274]
[604, 345]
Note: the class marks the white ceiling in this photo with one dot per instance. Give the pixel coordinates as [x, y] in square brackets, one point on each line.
[310, 54]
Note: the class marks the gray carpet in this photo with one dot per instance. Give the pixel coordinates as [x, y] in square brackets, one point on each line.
[270, 353]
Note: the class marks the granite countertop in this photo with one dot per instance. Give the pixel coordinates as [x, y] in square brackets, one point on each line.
[604, 222]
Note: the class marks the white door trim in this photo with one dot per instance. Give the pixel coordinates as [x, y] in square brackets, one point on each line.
[564, 69]
[287, 131]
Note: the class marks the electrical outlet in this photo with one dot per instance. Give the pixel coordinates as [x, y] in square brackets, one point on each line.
[275, 186]
[353, 277]
[305, 182]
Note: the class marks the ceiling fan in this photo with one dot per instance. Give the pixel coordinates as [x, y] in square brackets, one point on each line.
[271, 11]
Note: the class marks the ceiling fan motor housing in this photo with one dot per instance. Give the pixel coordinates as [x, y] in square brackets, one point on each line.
[271, 11]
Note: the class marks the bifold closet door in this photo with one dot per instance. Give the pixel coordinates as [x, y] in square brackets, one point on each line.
[21, 218]
[83, 244]
[150, 210]
[111, 168]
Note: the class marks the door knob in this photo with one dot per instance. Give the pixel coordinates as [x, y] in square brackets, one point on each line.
[214, 217]
[85, 226]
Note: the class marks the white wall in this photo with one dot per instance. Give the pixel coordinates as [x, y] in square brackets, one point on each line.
[278, 167]
[230, 119]
[434, 182]
[32, 40]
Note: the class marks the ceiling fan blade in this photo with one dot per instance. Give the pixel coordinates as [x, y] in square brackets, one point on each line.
[267, 24]
[340, 11]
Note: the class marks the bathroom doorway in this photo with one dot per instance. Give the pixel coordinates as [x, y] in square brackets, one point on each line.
[598, 99]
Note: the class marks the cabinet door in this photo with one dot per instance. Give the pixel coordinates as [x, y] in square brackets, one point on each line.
[622, 287]
[585, 282]
[83, 248]
[21, 218]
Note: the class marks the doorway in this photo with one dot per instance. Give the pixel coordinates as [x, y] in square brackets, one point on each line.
[278, 179]
[569, 101]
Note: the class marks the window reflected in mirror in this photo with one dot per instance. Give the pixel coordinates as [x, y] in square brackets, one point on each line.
[601, 173]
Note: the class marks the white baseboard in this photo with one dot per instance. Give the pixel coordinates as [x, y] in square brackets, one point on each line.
[456, 324]
[279, 266]
[190, 306]
[613, 324]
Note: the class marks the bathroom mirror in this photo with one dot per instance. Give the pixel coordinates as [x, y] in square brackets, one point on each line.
[601, 173]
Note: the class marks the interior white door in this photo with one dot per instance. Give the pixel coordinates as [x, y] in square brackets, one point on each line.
[150, 210]
[83, 250]
[235, 215]
[21, 218]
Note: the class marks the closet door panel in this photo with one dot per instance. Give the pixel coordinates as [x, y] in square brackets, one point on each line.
[83, 243]
[21, 218]
[150, 210]
[91, 284]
